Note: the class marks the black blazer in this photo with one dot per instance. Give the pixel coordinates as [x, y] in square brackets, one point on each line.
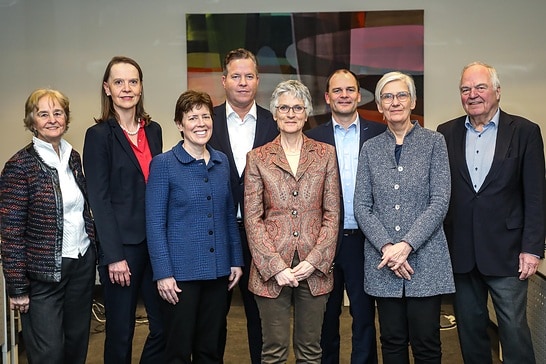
[325, 133]
[490, 228]
[116, 186]
[266, 131]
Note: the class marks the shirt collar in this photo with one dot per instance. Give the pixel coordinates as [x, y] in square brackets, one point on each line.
[355, 122]
[251, 112]
[47, 153]
[493, 122]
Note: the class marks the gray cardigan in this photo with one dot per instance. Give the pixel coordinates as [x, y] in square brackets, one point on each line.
[405, 202]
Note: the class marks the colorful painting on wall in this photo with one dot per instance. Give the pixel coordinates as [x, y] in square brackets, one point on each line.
[308, 47]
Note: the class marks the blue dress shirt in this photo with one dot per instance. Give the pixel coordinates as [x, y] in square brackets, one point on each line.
[480, 149]
[347, 149]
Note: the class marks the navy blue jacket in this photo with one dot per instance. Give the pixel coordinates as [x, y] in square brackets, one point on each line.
[116, 186]
[488, 229]
[190, 220]
[266, 131]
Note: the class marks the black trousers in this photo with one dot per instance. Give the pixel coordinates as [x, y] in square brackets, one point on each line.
[349, 275]
[193, 326]
[120, 304]
[252, 314]
[414, 321]
[56, 326]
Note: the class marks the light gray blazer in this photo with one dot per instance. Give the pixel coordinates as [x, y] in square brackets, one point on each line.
[405, 202]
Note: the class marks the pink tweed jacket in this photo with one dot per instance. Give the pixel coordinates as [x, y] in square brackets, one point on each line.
[284, 213]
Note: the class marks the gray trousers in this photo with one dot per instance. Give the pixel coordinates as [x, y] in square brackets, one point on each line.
[308, 314]
[509, 296]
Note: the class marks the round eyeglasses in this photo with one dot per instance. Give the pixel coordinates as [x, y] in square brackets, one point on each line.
[388, 98]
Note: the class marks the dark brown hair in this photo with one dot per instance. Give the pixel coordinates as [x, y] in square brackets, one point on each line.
[188, 100]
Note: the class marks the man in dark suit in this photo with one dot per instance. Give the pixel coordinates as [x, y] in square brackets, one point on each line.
[239, 125]
[495, 223]
[347, 132]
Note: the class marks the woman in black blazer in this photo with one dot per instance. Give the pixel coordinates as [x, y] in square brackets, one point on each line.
[116, 156]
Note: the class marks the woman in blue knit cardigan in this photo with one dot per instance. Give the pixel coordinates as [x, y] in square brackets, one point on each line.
[193, 237]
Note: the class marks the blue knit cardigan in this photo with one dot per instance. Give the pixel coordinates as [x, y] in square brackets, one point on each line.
[190, 220]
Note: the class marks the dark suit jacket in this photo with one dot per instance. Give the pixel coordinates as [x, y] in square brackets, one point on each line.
[325, 133]
[490, 228]
[116, 186]
[266, 131]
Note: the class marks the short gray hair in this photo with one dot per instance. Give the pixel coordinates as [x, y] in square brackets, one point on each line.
[294, 88]
[493, 76]
[395, 76]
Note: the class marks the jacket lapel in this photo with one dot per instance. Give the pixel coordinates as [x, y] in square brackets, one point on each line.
[363, 132]
[329, 133]
[459, 144]
[155, 147]
[307, 157]
[261, 135]
[279, 158]
[120, 137]
[222, 136]
[502, 148]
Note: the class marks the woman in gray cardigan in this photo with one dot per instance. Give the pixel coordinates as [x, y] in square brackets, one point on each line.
[402, 196]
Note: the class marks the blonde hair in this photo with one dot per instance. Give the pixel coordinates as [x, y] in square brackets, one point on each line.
[31, 105]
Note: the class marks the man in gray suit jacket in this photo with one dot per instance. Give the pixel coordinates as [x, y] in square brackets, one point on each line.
[495, 222]
[239, 125]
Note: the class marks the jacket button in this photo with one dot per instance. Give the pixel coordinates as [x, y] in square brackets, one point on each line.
[296, 234]
[294, 213]
[210, 232]
[295, 193]
[211, 250]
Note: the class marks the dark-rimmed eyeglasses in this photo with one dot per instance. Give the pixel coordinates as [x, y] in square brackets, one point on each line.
[285, 109]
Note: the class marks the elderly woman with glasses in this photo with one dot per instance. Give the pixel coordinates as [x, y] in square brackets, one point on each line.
[292, 203]
[401, 198]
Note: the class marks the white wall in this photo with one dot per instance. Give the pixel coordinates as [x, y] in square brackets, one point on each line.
[65, 44]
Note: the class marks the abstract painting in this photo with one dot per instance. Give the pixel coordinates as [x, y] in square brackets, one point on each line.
[308, 47]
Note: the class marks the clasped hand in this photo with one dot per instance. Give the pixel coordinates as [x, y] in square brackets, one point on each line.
[395, 257]
[292, 276]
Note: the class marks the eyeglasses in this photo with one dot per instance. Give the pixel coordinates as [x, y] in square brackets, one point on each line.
[44, 115]
[285, 109]
[388, 98]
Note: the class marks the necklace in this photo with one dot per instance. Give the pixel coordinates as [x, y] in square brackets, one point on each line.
[131, 132]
